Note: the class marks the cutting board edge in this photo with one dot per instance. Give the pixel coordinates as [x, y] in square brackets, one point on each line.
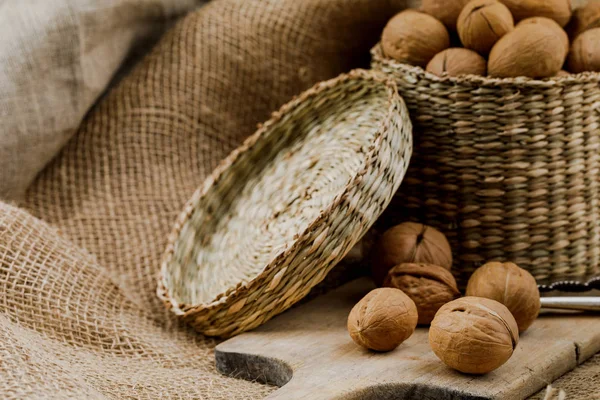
[588, 349]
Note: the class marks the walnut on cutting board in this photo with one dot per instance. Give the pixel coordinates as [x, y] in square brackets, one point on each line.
[409, 242]
[473, 335]
[429, 286]
[510, 285]
[383, 319]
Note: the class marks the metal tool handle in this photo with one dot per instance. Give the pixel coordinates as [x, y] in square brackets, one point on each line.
[572, 303]
[572, 286]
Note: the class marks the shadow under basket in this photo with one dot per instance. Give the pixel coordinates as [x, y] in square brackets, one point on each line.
[508, 169]
[285, 207]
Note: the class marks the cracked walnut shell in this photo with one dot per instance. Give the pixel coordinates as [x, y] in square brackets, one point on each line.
[383, 319]
[473, 335]
[429, 286]
[457, 62]
[510, 285]
[482, 23]
[409, 242]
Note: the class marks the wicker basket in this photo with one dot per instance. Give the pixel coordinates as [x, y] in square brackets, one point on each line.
[508, 168]
[287, 205]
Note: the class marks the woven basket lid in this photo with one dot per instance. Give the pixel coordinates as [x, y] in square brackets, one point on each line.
[286, 206]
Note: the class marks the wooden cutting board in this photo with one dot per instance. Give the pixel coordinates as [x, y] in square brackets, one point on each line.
[309, 354]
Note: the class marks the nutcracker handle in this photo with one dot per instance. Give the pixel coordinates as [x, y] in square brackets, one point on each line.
[572, 286]
[571, 303]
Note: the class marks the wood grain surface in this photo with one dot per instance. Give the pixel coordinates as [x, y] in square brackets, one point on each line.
[309, 354]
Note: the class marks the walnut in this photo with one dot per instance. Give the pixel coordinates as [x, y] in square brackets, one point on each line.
[456, 62]
[383, 319]
[558, 10]
[409, 242]
[413, 38]
[444, 10]
[473, 335]
[510, 285]
[584, 18]
[551, 24]
[482, 23]
[585, 52]
[531, 50]
[429, 286]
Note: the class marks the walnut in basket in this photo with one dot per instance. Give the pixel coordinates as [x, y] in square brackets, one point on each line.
[413, 37]
[444, 10]
[558, 10]
[457, 61]
[482, 23]
[584, 18]
[552, 25]
[585, 52]
[531, 50]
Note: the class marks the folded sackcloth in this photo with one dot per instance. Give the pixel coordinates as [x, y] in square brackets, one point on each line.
[79, 317]
[56, 58]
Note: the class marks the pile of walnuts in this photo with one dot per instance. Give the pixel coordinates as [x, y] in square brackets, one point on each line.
[499, 38]
[474, 334]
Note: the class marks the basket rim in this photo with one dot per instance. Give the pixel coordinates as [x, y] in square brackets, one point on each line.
[393, 98]
[485, 81]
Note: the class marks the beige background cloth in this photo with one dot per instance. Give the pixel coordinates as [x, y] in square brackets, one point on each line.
[56, 58]
[79, 317]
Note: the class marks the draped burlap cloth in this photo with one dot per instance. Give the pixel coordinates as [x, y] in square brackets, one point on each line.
[78, 258]
[56, 58]
[79, 317]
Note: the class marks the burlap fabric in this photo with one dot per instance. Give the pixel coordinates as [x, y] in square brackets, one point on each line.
[79, 317]
[56, 58]
[78, 313]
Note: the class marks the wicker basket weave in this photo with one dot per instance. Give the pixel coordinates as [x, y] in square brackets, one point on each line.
[287, 205]
[508, 168]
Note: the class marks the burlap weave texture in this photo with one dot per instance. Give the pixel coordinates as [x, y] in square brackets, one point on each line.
[79, 316]
[56, 59]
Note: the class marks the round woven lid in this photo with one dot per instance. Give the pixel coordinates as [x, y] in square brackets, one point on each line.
[287, 205]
